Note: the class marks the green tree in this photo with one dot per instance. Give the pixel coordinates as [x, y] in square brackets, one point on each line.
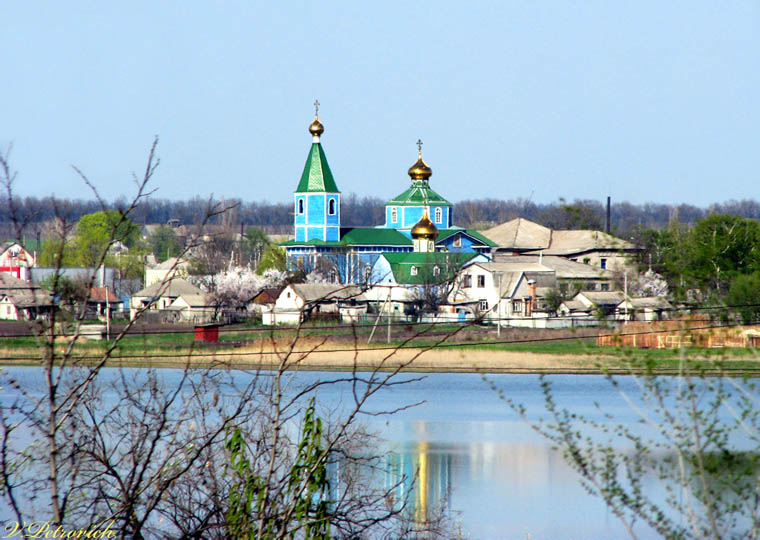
[745, 294]
[255, 242]
[56, 252]
[719, 248]
[273, 257]
[96, 231]
[164, 243]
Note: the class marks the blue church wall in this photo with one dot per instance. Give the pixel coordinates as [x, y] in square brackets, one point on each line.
[315, 233]
[333, 219]
[316, 210]
[412, 215]
[333, 234]
[389, 223]
[444, 222]
[408, 216]
[300, 219]
[465, 247]
[300, 234]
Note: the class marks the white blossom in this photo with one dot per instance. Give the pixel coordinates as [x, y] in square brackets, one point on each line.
[650, 283]
[316, 276]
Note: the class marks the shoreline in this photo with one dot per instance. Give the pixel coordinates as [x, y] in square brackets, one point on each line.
[324, 355]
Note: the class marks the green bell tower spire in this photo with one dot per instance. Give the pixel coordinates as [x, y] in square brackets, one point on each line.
[317, 198]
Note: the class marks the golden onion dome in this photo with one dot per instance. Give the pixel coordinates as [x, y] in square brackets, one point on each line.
[424, 229]
[316, 128]
[420, 170]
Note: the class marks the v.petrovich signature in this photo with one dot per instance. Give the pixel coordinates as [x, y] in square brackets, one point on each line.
[43, 529]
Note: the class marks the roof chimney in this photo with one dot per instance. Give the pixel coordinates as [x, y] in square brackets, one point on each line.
[608, 216]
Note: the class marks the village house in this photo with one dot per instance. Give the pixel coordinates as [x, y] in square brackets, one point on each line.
[161, 295]
[521, 236]
[265, 299]
[103, 302]
[650, 308]
[22, 300]
[571, 276]
[299, 301]
[592, 305]
[506, 294]
[16, 260]
[170, 268]
[193, 308]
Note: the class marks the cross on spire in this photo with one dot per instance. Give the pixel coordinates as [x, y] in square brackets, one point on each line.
[419, 147]
[316, 108]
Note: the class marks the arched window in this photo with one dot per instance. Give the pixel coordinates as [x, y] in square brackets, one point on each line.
[436, 271]
[331, 207]
[300, 206]
[367, 272]
[438, 215]
[394, 215]
[414, 270]
[333, 276]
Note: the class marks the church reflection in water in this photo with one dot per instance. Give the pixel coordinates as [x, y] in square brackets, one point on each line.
[421, 476]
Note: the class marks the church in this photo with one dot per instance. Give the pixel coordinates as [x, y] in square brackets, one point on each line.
[417, 220]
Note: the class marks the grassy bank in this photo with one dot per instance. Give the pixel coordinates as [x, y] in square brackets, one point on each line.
[318, 349]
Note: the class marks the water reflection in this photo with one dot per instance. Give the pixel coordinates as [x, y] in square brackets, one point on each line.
[422, 477]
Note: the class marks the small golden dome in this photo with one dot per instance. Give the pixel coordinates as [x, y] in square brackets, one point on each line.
[316, 128]
[425, 229]
[420, 170]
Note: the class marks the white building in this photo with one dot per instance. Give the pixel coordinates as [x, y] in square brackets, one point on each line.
[298, 301]
[505, 293]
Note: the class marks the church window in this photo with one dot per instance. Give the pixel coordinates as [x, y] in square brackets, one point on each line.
[603, 263]
[300, 206]
[394, 215]
[458, 241]
[438, 215]
[333, 276]
[467, 281]
[414, 271]
[436, 271]
[331, 207]
[367, 272]
[481, 281]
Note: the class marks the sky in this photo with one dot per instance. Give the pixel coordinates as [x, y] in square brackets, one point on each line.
[642, 101]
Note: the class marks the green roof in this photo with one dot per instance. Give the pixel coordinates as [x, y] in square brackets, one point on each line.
[316, 173]
[443, 234]
[425, 264]
[365, 236]
[417, 195]
[377, 236]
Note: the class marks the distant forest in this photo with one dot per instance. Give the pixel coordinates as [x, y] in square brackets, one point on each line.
[627, 218]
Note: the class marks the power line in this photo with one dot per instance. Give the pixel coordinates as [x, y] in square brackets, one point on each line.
[305, 328]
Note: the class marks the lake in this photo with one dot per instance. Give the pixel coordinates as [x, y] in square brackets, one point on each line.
[474, 455]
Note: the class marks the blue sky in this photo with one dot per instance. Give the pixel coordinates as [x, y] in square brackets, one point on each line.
[644, 101]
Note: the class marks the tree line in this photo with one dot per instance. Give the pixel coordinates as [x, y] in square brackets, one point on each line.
[369, 211]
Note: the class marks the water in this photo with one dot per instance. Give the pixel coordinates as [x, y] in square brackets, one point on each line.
[474, 455]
